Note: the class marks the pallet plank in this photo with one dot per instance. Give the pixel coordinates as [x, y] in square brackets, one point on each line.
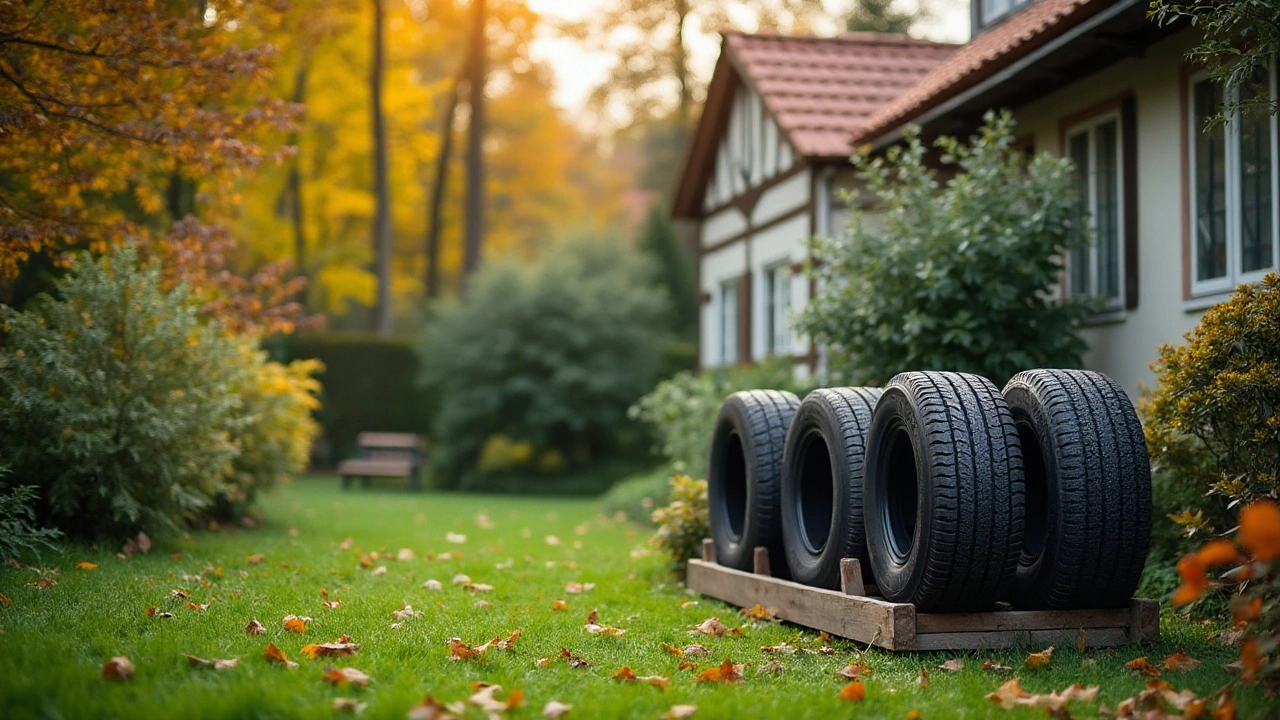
[1144, 620]
[868, 620]
[1097, 637]
[1021, 620]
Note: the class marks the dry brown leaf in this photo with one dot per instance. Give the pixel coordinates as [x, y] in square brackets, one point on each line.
[559, 605]
[486, 699]
[380, 570]
[781, 648]
[405, 612]
[1180, 662]
[180, 594]
[1011, 694]
[294, 623]
[194, 606]
[5, 601]
[853, 692]
[854, 671]
[477, 587]
[697, 649]
[923, 678]
[772, 666]
[118, 668]
[577, 588]
[554, 709]
[194, 661]
[759, 612]
[993, 666]
[43, 583]
[348, 705]
[914, 714]
[430, 709]
[573, 660]
[1082, 641]
[333, 649]
[672, 649]
[1040, 659]
[255, 628]
[687, 665]
[680, 712]
[626, 674]
[154, 612]
[455, 538]
[952, 665]
[1142, 666]
[343, 676]
[273, 654]
[254, 559]
[711, 626]
[86, 566]
[593, 626]
[727, 672]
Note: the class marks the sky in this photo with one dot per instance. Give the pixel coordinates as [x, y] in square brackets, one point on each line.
[578, 71]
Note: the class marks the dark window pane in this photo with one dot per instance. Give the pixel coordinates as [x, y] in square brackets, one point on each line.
[1107, 219]
[1256, 213]
[1210, 182]
[1078, 148]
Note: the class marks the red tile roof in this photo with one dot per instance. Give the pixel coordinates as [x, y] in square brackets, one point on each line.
[820, 90]
[985, 55]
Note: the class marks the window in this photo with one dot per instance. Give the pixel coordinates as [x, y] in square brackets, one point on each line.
[778, 310]
[989, 11]
[728, 303]
[1094, 149]
[1235, 237]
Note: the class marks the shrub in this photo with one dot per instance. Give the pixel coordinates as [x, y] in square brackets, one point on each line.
[20, 534]
[683, 523]
[116, 401]
[370, 384]
[961, 278]
[273, 430]
[682, 411]
[550, 355]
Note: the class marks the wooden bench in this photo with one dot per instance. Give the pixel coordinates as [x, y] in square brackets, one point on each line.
[383, 454]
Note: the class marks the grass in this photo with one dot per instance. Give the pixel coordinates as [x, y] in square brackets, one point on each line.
[56, 640]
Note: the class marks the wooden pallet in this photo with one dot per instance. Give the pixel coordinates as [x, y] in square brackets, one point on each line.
[857, 614]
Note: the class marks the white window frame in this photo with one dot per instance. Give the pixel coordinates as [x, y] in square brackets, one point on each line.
[1090, 126]
[777, 317]
[986, 21]
[1234, 203]
[728, 327]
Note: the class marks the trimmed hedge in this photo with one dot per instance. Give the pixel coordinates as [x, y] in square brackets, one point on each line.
[369, 385]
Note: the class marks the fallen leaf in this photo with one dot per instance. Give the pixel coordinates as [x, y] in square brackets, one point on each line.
[405, 612]
[696, 649]
[154, 612]
[180, 594]
[780, 649]
[380, 570]
[626, 674]
[293, 623]
[853, 692]
[477, 587]
[430, 709]
[118, 668]
[711, 626]
[923, 679]
[1040, 659]
[552, 540]
[194, 606]
[727, 672]
[86, 566]
[573, 660]
[433, 585]
[486, 699]
[687, 665]
[455, 538]
[1082, 641]
[914, 714]
[1011, 694]
[952, 665]
[215, 664]
[993, 666]
[348, 705]
[461, 579]
[854, 671]
[593, 626]
[1143, 667]
[273, 654]
[559, 605]
[672, 649]
[759, 612]
[405, 555]
[555, 709]
[254, 559]
[1179, 662]
[772, 666]
[577, 588]
[5, 601]
[255, 628]
[1008, 694]
[680, 712]
[333, 649]
[343, 676]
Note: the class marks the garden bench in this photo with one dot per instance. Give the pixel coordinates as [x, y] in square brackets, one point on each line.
[382, 454]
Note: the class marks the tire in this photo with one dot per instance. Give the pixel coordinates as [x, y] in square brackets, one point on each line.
[943, 492]
[822, 464]
[744, 479]
[1088, 523]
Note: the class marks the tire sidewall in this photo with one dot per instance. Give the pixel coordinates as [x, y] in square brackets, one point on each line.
[814, 422]
[732, 550]
[1028, 410]
[895, 410]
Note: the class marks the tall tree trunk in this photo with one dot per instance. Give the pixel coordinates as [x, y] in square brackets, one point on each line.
[435, 222]
[475, 141]
[382, 219]
[293, 182]
[681, 58]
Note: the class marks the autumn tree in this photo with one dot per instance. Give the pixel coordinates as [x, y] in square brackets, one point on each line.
[116, 115]
[885, 16]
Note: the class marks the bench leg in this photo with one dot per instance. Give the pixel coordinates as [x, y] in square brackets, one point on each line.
[346, 482]
[366, 481]
[414, 484]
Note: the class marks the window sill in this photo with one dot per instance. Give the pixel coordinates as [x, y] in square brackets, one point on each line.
[1105, 317]
[1204, 302]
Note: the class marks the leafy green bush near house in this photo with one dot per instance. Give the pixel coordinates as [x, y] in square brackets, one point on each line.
[20, 533]
[535, 366]
[958, 274]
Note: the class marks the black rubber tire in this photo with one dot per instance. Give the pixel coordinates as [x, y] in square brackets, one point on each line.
[822, 465]
[1088, 522]
[943, 492]
[745, 476]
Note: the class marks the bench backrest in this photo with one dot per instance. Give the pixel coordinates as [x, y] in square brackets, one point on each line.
[380, 445]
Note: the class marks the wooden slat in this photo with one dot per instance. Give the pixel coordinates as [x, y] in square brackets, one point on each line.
[709, 550]
[868, 620]
[1021, 620]
[851, 577]
[404, 441]
[1144, 620]
[376, 468]
[760, 561]
[1098, 637]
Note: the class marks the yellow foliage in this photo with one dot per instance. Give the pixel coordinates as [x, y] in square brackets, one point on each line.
[502, 453]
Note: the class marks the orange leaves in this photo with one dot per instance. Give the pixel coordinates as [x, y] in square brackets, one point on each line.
[853, 692]
[1142, 666]
[86, 566]
[118, 668]
[759, 612]
[342, 648]
[254, 559]
[577, 588]
[854, 671]
[327, 603]
[993, 666]
[1259, 531]
[486, 698]
[1218, 552]
[255, 628]
[593, 626]
[559, 605]
[726, 673]
[6, 602]
[1011, 695]
[294, 623]
[344, 676]
[194, 606]
[1179, 662]
[1041, 659]
[626, 674]
[459, 650]
[1194, 580]
[273, 654]
[1251, 658]
[194, 661]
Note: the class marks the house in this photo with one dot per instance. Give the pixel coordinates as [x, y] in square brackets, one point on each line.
[1181, 216]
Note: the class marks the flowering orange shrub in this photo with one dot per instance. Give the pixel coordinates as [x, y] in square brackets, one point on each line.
[1251, 559]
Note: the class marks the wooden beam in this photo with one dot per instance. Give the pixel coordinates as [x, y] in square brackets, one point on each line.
[760, 561]
[708, 550]
[851, 577]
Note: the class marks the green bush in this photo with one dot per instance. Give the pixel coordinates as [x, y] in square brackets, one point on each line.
[682, 524]
[955, 276]
[549, 354]
[1213, 419]
[637, 496]
[116, 401]
[370, 384]
[20, 533]
[682, 411]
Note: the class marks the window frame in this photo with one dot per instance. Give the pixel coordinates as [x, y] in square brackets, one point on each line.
[1089, 126]
[728, 354]
[982, 21]
[772, 274]
[1232, 194]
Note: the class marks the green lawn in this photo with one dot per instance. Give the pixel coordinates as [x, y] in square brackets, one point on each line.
[54, 641]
